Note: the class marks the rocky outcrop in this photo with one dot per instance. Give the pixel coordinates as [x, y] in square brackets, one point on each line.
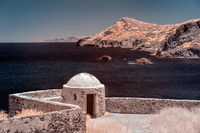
[185, 42]
[105, 58]
[176, 40]
[131, 62]
[144, 61]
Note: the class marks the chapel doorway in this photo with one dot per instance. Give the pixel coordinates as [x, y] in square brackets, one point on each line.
[90, 104]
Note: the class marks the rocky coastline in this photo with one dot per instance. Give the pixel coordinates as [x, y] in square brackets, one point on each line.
[180, 40]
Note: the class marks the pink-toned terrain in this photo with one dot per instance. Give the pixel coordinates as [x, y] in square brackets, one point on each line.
[177, 40]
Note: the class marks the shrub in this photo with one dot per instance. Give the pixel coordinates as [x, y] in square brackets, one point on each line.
[3, 115]
[28, 112]
[174, 120]
[108, 125]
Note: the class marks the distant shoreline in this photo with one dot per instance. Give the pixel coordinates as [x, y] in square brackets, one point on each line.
[36, 42]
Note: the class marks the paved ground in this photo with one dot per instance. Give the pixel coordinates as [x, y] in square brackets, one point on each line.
[134, 122]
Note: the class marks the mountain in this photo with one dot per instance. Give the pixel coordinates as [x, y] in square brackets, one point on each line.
[176, 40]
[66, 39]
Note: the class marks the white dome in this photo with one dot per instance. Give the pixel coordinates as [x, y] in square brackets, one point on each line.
[83, 80]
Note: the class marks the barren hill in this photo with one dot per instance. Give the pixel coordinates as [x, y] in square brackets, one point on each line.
[176, 40]
[65, 39]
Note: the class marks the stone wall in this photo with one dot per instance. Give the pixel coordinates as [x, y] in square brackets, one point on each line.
[145, 105]
[58, 117]
[40, 100]
[42, 94]
[65, 121]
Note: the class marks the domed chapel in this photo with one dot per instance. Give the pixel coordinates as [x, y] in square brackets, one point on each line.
[86, 91]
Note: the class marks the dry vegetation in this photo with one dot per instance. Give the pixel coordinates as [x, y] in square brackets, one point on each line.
[3, 115]
[25, 112]
[28, 112]
[108, 126]
[174, 120]
[169, 120]
[185, 45]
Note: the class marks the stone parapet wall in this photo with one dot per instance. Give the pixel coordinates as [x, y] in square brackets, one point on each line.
[44, 101]
[65, 121]
[145, 105]
[58, 117]
[42, 94]
[18, 102]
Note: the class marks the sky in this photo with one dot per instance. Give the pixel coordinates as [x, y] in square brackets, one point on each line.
[28, 20]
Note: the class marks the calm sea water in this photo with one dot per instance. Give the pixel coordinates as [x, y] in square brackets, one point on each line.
[38, 66]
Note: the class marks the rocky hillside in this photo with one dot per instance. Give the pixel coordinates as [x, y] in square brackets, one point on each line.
[66, 39]
[176, 40]
[184, 42]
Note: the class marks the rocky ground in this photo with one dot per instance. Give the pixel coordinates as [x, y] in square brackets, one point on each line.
[177, 40]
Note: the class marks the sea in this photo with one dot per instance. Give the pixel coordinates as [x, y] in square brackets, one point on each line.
[40, 66]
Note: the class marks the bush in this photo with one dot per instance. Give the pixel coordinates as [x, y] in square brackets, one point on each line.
[28, 112]
[3, 115]
[174, 120]
[108, 126]
[25, 112]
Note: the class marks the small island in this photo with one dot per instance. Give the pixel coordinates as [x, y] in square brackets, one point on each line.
[144, 61]
[105, 58]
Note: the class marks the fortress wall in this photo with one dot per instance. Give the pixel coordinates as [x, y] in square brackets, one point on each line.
[57, 116]
[44, 101]
[42, 94]
[19, 102]
[65, 121]
[145, 105]
[63, 117]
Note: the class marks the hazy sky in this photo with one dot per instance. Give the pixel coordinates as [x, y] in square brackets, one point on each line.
[27, 20]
